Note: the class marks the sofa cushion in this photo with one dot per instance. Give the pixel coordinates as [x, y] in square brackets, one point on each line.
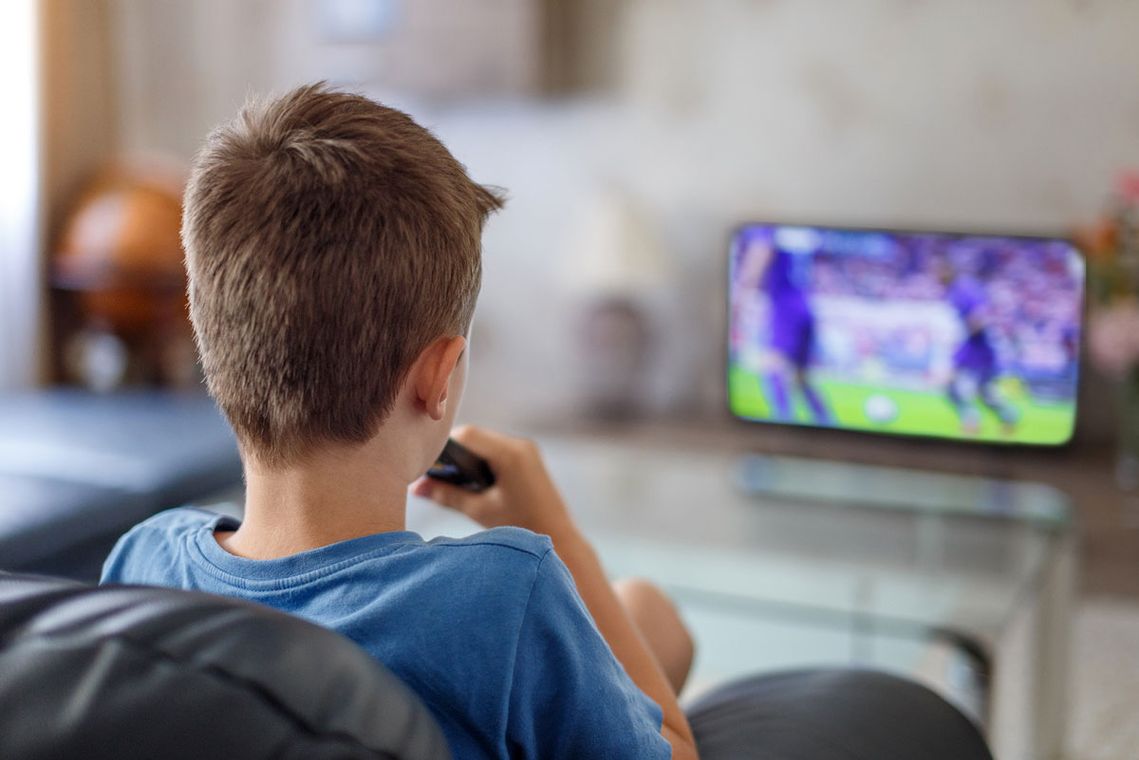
[42, 518]
[78, 469]
[159, 443]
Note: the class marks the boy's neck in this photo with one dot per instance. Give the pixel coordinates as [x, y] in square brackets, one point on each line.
[331, 496]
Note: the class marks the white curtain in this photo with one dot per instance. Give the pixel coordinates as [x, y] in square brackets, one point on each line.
[20, 282]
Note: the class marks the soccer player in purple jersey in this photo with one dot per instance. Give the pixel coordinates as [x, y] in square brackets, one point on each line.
[975, 366]
[791, 339]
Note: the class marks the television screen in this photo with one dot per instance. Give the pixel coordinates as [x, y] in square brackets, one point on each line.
[908, 333]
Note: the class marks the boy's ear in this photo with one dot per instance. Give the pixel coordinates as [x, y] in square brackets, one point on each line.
[433, 374]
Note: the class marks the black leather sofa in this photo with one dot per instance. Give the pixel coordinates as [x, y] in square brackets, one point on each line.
[130, 672]
[123, 673]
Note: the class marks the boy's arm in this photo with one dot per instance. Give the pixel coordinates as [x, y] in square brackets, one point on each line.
[525, 496]
[623, 638]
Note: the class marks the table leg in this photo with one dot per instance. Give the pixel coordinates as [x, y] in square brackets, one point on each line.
[1051, 645]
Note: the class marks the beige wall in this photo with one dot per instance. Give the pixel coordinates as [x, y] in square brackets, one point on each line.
[967, 114]
[185, 66]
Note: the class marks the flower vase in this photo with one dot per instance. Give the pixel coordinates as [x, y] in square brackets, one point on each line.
[1127, 457]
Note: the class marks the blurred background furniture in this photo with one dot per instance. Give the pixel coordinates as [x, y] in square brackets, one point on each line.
[119, 306]
[78, 469]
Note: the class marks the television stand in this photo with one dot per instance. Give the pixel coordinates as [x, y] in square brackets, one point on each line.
[916, 491]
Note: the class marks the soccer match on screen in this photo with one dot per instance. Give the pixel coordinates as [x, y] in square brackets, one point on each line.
[948, 336]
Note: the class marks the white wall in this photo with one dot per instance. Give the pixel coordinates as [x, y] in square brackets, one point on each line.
[974, 114]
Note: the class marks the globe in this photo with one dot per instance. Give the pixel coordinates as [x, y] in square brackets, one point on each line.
[120, 251]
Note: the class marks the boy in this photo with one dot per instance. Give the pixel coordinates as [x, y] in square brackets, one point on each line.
[333, 252]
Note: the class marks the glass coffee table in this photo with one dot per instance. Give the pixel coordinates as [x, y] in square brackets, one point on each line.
[778, 563]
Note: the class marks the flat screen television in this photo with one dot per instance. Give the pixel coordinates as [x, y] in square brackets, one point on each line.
[959, 336]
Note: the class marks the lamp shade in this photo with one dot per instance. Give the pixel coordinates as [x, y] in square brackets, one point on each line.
[615, 252]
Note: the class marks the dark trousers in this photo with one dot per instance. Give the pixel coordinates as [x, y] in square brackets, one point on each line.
[831, 715]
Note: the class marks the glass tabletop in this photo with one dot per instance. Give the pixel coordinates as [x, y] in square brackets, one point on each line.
[686, 515]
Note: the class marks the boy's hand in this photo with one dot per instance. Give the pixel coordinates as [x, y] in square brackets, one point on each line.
[523, 494]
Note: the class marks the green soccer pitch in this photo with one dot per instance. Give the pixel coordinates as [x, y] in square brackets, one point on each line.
[918, 413]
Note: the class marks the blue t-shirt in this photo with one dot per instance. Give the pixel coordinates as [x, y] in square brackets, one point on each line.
[488, 630]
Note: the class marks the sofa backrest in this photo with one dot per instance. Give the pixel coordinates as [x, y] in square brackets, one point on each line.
[132, 672]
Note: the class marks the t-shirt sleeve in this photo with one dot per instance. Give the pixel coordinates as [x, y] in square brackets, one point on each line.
[144, 553]
[120, 566]
[570, 697]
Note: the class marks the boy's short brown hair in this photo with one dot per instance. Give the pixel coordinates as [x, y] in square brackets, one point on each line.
[329, 240]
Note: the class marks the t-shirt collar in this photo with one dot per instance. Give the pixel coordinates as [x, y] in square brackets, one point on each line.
[301, 566]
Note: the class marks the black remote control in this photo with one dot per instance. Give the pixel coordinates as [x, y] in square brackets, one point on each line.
[461, 467]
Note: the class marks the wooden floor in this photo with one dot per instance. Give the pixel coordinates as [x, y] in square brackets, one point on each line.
[1107, 520]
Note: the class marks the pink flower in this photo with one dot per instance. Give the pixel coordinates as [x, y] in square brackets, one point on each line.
[1128, 185]
[1113, 338]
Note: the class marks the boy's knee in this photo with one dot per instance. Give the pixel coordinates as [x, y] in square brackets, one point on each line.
[656, 616]
[640, 593]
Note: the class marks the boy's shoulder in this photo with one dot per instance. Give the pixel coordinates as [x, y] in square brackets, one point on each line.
[512, 539]
[153, 543]
[171, 523]
[178, 519]
[504, 563]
